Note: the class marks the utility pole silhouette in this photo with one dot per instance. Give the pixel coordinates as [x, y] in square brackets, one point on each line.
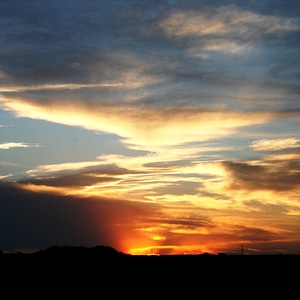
[242, 249]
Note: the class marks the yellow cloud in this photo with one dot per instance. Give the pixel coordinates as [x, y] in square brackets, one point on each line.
[140, 128]
[46, 170]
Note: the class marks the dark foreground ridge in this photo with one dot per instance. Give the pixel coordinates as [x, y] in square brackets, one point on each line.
[108, 263]
[109, 252]
[67, 251]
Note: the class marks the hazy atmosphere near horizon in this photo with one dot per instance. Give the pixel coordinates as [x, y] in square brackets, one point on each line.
[163, 126]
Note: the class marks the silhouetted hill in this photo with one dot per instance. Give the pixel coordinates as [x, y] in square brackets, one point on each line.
[99, 252]
[67, 251]
[111, 265]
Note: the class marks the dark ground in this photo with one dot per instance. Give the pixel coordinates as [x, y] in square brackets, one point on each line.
[89, 272]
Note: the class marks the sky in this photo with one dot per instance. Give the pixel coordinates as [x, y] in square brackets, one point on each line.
[153, 127]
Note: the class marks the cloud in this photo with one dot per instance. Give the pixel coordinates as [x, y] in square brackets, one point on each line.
[75, 174]
[5, 176]
[139, 127]
[229, 29]
[71, 86]
[271, 176]
[276, 144]
[52, 169]
[5, 125]
[11, 164]
[10, 145]
[182, 223]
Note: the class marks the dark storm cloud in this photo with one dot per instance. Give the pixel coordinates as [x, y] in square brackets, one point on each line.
[32, 220]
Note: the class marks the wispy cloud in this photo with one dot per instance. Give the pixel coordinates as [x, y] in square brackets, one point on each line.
[138, 127]
[5, 126]
[276, 144]
[70, 86]
[12, 164]
[228, 29]
[10, 145]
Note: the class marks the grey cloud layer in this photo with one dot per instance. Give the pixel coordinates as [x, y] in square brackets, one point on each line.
[57, 43]
[283, 176]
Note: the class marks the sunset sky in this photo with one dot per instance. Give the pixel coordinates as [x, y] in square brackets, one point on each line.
[153, 127]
